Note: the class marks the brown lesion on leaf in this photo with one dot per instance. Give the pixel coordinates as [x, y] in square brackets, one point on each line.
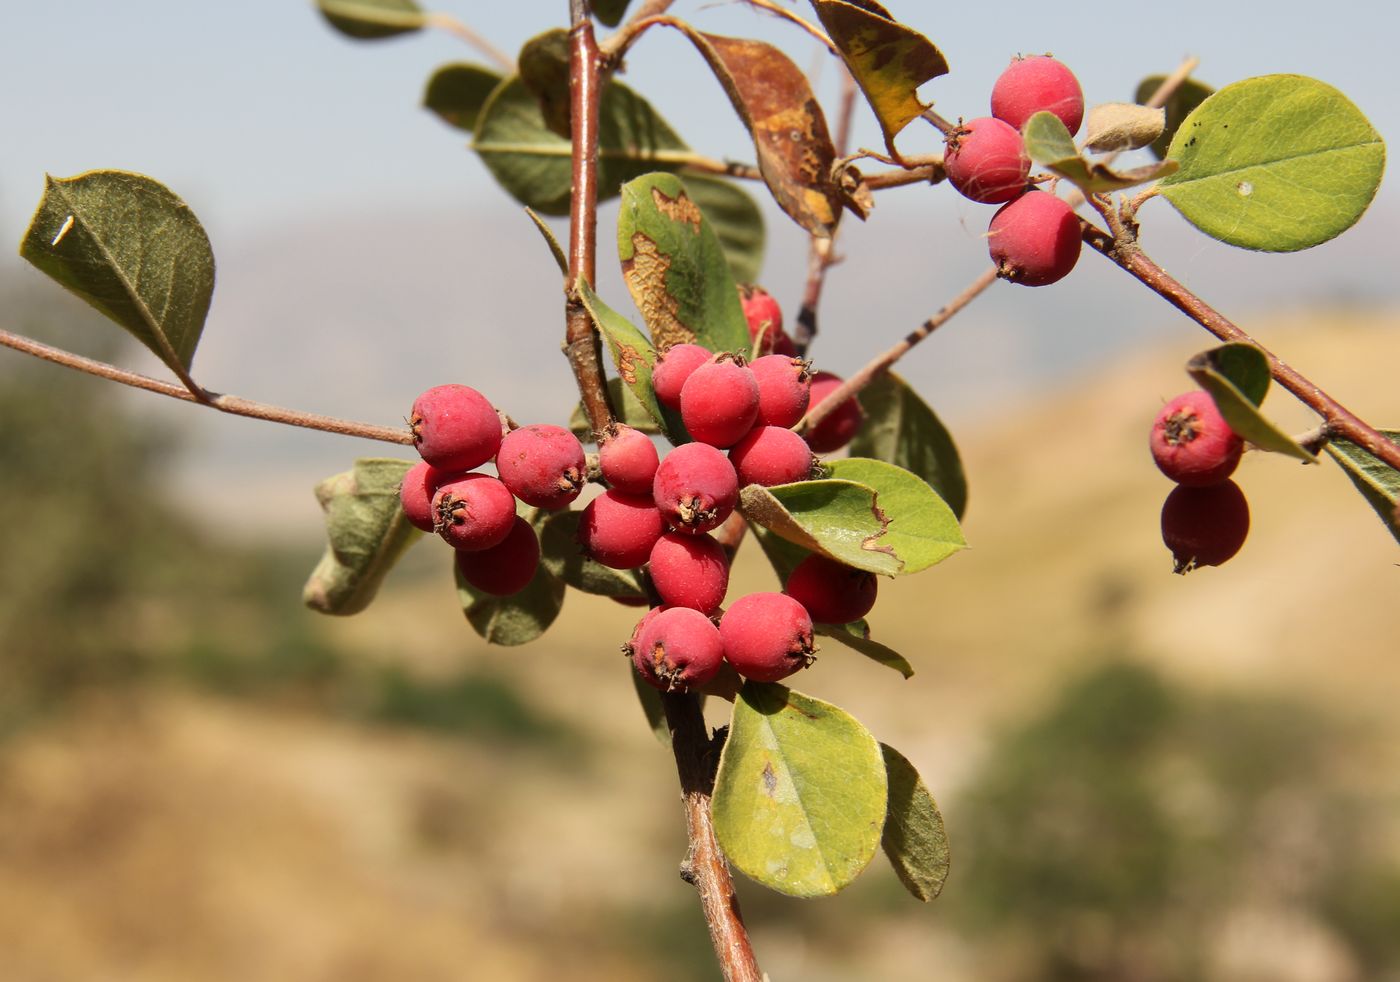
[869, 543]
[677, 209]
[645, 273]
[628, 358]
[770, 780]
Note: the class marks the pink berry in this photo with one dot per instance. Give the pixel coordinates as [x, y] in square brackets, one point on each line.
[719, 402]
[618, 529]
[764, 316]
[767, 636]
[1038, 83]
[1204, 526]
[473, 512]
[1191, 442]
[628, 459]
[455, 428]
[771, 455]
[986, 160]
[1034, 240]
[542, 465]
[689, 571]
[695, 488]
[678, 649]
[784, 389]
[416, 494]
[504, 569]
[832, 592]
[673, 368]
[841, 425]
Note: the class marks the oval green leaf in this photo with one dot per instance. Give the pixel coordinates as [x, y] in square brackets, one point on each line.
[1378, 482]
[738, 223]
[371, 20]
[1277, 163]
[457, 92]
[1237, 378]
[856, 636]
[800, 796]
[914, 839]
[367, 533]
[901, 429]
[561, 555]
[1188, 95]
[922, 529]
[514, 620]
[132, 249]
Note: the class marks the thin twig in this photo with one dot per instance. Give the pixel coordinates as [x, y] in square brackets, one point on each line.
[787, 15]
[930, 173]
[453, 26]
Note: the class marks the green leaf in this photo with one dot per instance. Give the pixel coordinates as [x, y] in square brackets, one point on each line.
[513, 620]
[544, 70]
[555, 250]
[675, 268]
[456, 93]
[1048, 142]
[888, 60]
[370, 20]
[561, 555]
[857, 637]
[1237, 378]
[368, 533]
[922, 529]
[633, 357]
[1377, 481]
[901, 429]
[132, 249]
[609, 12]
[800, 796]
[914, 838]
[1277, 163]
[734, 215]
[1188, 95]
[626, 409]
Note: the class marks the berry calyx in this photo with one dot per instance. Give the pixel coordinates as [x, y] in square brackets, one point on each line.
[673, 368]
[838, 427]
[1034, 240]
[504, 569]
[689, 571]
[416, 494]
[696, 488]
[543, 465]
[473, 512]
[719, 401]
[1204, 526]
[628, 459]
[767, 636]
[678, 649]
[454, 427]
[618, 529]
[1191, 442]
[986, 160]
[1038, 83]
[832, 592]
[772, 455]
[784, 389]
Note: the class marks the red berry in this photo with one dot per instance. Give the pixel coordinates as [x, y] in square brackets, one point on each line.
[695, 488]
[416, 494]
[986, 161]
[841, 425]
[719, 402]
[765, 318]
[629, 647]
[1204, 526]
[504, 569]
[628, 459]
[832, 592]
[673, 368]
[771, 455]
[1038, 83]
[1034, 240]
[784, 389]
[1191, 442]
[542, 465]
[678, 649]
[455, 428]
[689, 571]
[618, 529]
[767, 636]
[473, 512]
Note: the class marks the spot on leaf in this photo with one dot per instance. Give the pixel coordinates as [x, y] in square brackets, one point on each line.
[646, 277]
[678, 209]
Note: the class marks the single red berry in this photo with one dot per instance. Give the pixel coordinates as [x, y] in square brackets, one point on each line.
[1204, 526]
[473, 512]
[695, 488]
[619, 529]
[771, 455]
[416, 494]
[986, 160]
[767, 636]
[1038, 83]
[673, 368]
[1191, 442]
[1034, 240]
[841, 424]
[678, 649]
[455, 428]
[784, 389]
[832, 592]
[543, 465]
[764, 316]
[628, 459]
[719, 402]
[504, 569]
[689, 571]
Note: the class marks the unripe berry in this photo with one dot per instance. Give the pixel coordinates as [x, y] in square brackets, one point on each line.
[1034, 240]
[986, 161]
[832, 592]
[767, 636]
[841, 424]
[473, 512]
[455, 428]
[695, 488]
[764, 316]
[673, 368]
[784, 389]
[1038, 83]
[416, 494]
[678, 649]
[689, 571]
[772, 455]
[618, 529]
[543, 465]
[628, 459]
[504, 569]
[719, 402]
[1204, 526]
[1191, 442]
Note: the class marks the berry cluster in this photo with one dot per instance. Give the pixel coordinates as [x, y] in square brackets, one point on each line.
[1034, 237]
[1205, 519]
